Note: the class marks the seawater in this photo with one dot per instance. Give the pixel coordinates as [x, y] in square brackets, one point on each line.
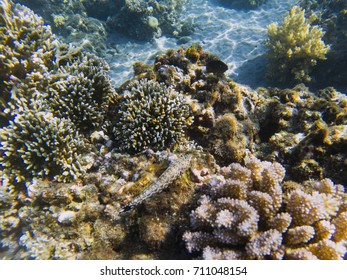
[236, 36]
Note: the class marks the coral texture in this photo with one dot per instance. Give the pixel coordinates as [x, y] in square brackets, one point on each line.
[26, 46]
[84, 91]
[151, 115]
[295, 46]
[249, 213]
[37, 144]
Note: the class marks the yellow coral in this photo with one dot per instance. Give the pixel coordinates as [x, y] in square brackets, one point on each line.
[295, 46]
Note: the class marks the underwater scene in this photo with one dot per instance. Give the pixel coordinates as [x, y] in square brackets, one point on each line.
[188, 129]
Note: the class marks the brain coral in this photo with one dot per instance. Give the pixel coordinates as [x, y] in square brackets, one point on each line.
[150, 115]
[295, 46]
[249, 213]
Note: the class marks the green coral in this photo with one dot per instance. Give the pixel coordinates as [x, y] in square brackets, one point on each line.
[295, 46]
[150, 115]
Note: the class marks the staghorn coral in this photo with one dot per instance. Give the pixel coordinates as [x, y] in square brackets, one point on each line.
[249, 213]
[27, 46]
[150, 115]
[38, 145]
[295, 46]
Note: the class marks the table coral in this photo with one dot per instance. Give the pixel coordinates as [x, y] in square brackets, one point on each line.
[250, 213]
[295, 46]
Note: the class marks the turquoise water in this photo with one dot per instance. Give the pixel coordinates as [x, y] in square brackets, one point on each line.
[235, 35]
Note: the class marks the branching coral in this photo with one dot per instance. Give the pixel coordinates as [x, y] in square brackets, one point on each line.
[249, 213]
[150, 115]
[84, 92]
[332, 16]
[26, 46]
[295, 46]
[38, 145]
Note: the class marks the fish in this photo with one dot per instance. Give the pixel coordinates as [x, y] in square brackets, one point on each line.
[216, 66]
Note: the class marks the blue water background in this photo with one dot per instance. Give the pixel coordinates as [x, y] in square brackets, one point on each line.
[236, 36]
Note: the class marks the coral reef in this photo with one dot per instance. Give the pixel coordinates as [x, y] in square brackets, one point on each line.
[83, 93]
[82, 220]
[305, 131]
[332, 16]
[38, 145]
[78, 22]
[150, 115]
[27, 47]
[166, 162]
[295, 46]
[145, 20]
[247, 212]
[211, 97]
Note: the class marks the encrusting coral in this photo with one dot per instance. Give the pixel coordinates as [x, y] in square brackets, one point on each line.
[305, 131]
[150, 115]
[248, 212]
[295, 46]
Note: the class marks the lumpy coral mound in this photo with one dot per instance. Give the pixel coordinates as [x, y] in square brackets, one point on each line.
[250, 213]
